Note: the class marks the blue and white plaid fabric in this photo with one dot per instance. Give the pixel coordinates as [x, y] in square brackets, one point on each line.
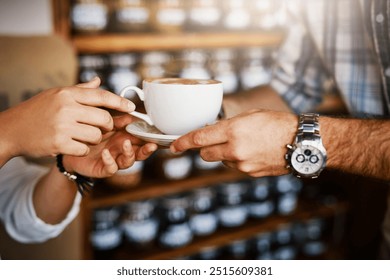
[346, 41]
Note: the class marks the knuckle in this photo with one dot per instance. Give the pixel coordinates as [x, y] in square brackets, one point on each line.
[244, 167]
[198, 138]
[107, 119]
[84, 150]
[236, 154]
[204, 154]
[96, 136]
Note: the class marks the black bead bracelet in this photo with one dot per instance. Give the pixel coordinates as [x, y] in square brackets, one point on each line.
[84, 184]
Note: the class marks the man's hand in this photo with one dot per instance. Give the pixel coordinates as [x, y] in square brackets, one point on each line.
[253, 142]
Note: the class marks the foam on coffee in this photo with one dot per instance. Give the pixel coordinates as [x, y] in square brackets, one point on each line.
[181, 81]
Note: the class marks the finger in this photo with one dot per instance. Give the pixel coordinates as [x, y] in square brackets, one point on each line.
[145, 151]
[94, 83]
[207, 136]
[95, 117]
[127, 158]
[86, 134]
[122, 121]
[74, 148]
[104, 98]
[110, 166]
[230, 164]
[215, 153]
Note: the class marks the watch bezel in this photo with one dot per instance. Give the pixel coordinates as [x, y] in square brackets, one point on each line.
[315, 144]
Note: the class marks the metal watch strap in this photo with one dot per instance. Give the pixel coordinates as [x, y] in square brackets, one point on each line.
[308, 127]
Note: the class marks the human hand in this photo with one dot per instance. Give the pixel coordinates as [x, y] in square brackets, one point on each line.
[117, 150]
[253, 142]
[61, 120]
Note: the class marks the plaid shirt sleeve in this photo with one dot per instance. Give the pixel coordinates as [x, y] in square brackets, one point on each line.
[298, 74]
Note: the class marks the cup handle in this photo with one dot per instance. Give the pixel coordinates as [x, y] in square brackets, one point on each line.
[141, 95]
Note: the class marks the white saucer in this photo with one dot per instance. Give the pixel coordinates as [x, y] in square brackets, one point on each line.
[148, 133]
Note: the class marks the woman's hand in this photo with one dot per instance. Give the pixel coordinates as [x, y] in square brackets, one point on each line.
[117, 150]
[61, 120]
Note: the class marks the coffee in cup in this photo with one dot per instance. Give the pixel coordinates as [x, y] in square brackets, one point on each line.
[177, 106]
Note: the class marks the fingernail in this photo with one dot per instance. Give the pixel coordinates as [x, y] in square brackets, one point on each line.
[127, 144]
[173, 149]
[131, 106]
[106, 153]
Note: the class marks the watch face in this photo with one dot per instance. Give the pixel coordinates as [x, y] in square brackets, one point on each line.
[307, 160]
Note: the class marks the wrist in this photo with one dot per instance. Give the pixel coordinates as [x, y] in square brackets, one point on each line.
[84, 184]
[336, 140]
[67, 163]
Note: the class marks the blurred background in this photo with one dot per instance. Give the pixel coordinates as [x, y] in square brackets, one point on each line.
[179, 206]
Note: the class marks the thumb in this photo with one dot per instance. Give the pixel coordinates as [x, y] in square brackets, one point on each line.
[94, 83]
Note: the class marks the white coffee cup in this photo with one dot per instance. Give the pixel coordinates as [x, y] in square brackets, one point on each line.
[176, 106]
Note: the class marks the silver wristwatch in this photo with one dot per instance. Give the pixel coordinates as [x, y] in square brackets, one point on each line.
[307, 155]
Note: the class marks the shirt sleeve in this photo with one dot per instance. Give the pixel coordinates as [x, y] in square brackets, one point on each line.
[17, 183]
[298, 74]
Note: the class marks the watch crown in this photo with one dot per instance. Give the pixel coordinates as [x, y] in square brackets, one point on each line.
[288, 166]
[289, 147]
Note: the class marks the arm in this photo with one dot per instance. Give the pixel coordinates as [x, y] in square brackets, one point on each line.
[255, 143]
[358, 146]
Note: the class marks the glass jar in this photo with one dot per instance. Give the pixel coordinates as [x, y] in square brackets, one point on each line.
[130, 16]
[194, 63]
[201, 165]
[261, 201]
[264, 14]
[284, 245]
[204, 15]
[315, 244]
[170, 166]
[140, 225]
[288, 188]
[223, 69]
[154, 65]
[89, 16]
[106, 232]
[126, 178]
[232, 211]
[168, 15]
[91, 66]
[262, 245]
[123, 73]
[237, 250]
[237, 16]
[175, 230]
[208, 253]
[203, 220]
[256, 67]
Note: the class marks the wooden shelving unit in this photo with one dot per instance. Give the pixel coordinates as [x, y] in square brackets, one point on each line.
[148, 42]
[225, 236]
[105, 197]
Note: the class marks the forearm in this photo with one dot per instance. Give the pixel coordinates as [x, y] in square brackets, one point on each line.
[54, 196]
[358, 146]
[258, 98]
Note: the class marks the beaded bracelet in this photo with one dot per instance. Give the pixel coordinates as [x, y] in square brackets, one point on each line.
[84, 184]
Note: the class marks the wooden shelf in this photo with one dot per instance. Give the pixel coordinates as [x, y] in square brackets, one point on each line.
[105, 196]
[147, 42]
[225, 236]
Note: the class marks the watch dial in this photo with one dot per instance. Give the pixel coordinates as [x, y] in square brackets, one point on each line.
[307, 160]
